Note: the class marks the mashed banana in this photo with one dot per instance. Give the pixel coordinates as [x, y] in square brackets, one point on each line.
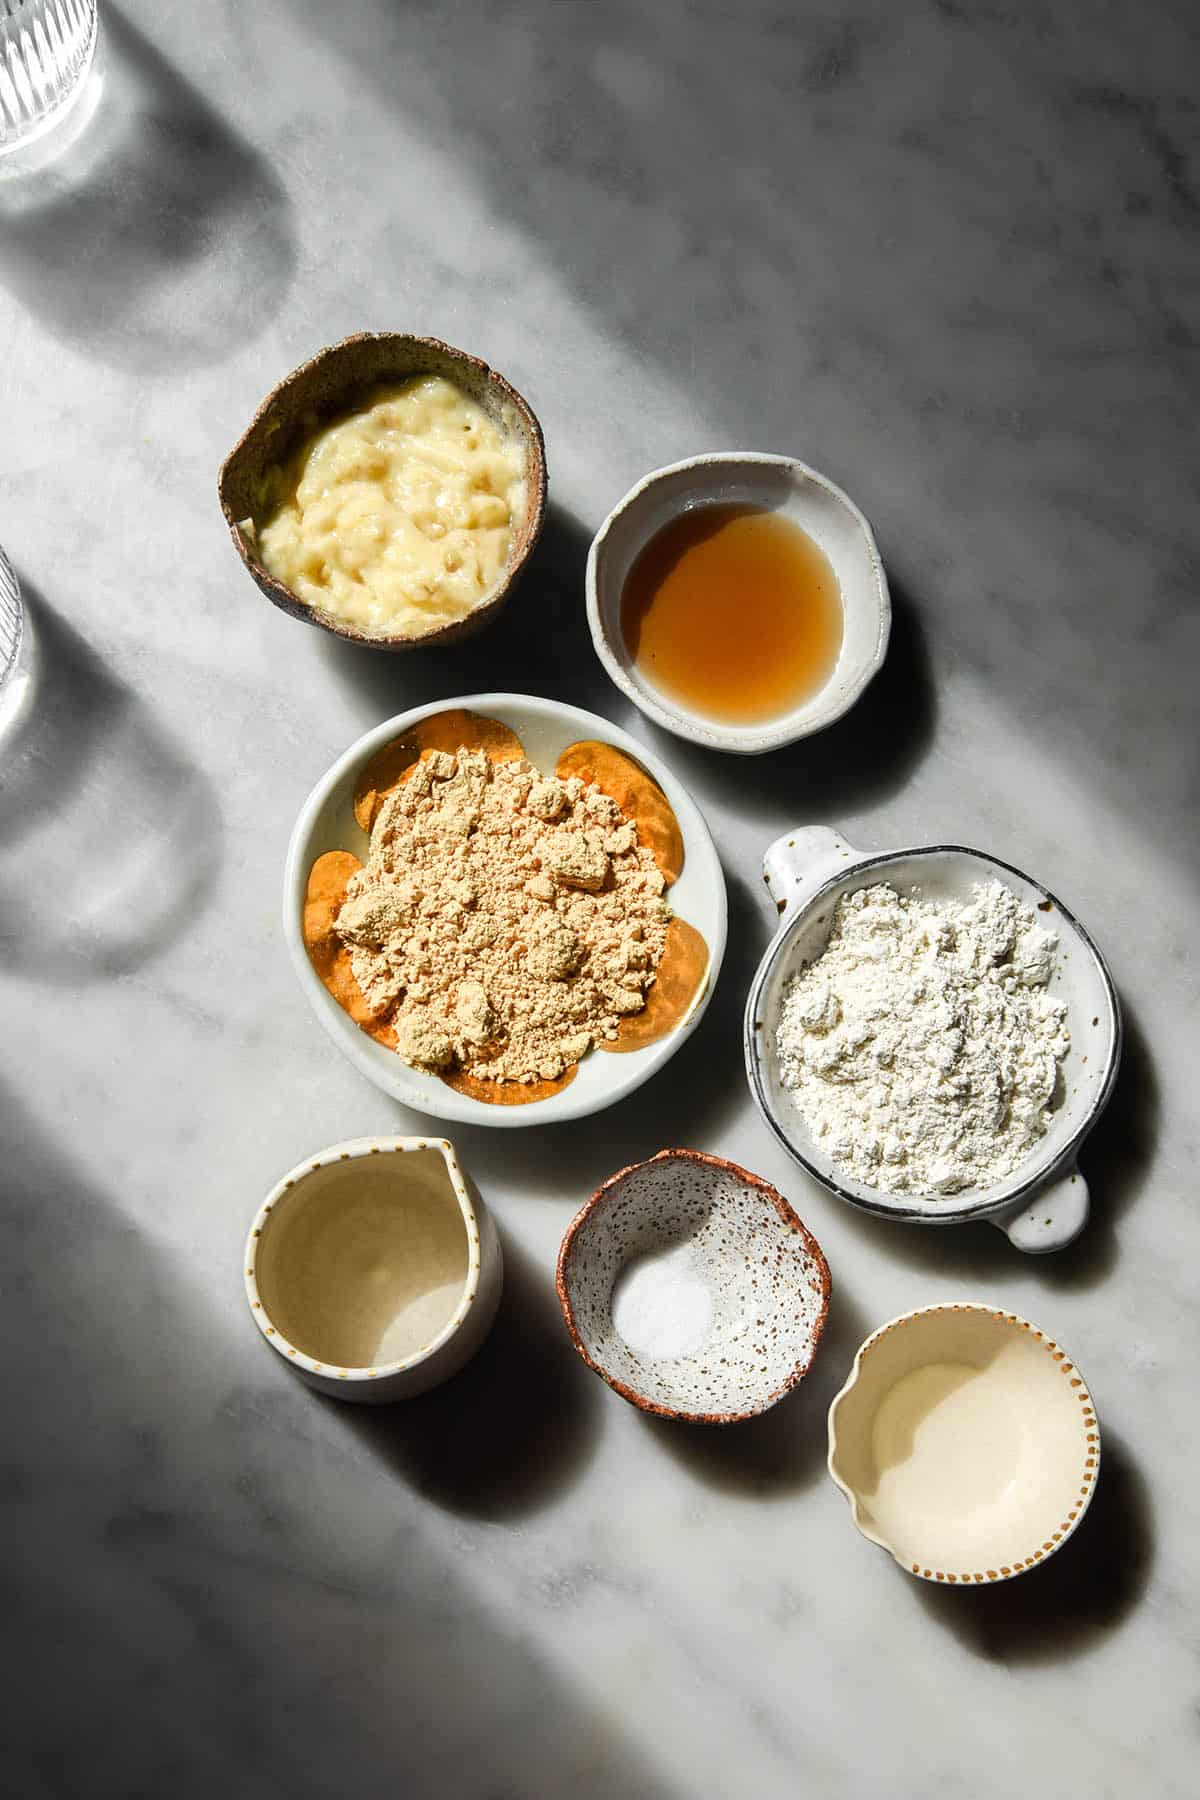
[396, 519]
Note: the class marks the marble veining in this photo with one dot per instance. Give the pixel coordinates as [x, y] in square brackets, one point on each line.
[944, 253]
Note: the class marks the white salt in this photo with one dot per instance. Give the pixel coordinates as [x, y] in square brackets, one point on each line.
[661, 1306]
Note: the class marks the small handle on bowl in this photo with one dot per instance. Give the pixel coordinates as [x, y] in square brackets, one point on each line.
[798, 862]
[1052, 1219]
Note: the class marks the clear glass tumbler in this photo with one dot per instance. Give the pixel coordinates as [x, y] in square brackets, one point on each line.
[16, 652]
[11, 619]
[46, 50]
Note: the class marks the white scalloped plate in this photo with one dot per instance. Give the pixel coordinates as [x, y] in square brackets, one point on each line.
[545, 728]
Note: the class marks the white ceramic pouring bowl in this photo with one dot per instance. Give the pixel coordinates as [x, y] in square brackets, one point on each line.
[1043, 1205]
[748, 478]
[545, 728]
[312, 1264]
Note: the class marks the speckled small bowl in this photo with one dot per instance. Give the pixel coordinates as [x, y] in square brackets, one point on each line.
[325, 386]
[765, 1280]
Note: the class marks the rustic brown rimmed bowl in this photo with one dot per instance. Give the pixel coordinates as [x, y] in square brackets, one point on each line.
[722, 1247]
[328, 385]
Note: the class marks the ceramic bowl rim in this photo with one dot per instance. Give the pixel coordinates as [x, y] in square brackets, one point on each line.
[773, 734]
[1092, 1442]
[536, 480]
[353, 1150]
[346, 1035]
[1019, 1187]
[787, 1216]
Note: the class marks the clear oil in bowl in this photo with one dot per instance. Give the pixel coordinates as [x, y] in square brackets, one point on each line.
[733, 611]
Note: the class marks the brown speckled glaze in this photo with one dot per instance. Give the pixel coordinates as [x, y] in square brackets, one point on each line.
[325, 386]
[762, 1265]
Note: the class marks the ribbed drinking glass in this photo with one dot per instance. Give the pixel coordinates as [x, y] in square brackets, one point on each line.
[11, 617]
[46, 50]
[17, 656]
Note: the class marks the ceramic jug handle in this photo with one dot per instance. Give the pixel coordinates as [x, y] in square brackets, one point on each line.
[1052, 1219]
[798, 862]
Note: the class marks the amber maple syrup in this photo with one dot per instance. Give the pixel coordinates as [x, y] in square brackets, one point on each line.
[734, 612]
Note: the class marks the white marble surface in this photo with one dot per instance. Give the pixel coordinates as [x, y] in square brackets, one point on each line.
[942, 252]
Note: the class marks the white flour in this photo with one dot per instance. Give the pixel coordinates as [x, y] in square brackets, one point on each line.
[922, 1047]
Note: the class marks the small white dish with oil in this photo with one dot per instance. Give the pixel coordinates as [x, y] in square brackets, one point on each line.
[374, 1268]
[748, 481]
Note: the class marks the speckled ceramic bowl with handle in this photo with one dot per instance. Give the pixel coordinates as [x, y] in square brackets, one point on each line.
[1043, 1205]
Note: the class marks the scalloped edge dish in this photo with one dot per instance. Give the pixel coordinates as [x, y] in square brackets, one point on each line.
[995, 1484]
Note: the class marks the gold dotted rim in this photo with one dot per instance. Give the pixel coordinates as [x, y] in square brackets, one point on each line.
[349, 1151]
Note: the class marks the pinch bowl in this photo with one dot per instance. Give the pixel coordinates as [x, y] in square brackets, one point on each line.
[746, 1286]
[325, 386]
[545, 728]
[373, 1268]
[966, 1443]
[779, 484]
[1043, 1205]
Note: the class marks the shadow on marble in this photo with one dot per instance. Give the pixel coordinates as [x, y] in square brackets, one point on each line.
[665, 194]
[161, 239]
[888, 320]
[781, 1451]
[863, 759]
[514, 1430]
[539, 644]
[1083, 1592]
[1116, 1160]
[137, 823]
[213, 1593]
